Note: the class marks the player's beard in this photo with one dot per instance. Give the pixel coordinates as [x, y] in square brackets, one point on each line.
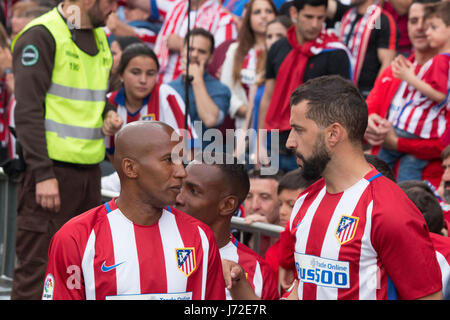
[313, 167]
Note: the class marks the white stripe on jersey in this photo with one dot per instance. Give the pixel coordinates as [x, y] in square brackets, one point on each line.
[205, 245]
[302, 232]
[331, 247]
[171, 238]
[445, 271]
[229, 252]
[125, 252]
[87, 265]
[257, 280]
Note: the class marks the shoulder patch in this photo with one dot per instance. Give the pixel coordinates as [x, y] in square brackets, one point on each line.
[30, 55]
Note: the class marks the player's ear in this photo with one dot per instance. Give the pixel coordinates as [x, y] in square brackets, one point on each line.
[334, 133]
[129, 168]
[228, 205]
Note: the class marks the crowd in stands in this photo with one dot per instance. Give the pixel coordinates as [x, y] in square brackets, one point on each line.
[233, 64]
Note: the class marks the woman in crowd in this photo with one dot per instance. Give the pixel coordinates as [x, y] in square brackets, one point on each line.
[276, 29]
[239, 67]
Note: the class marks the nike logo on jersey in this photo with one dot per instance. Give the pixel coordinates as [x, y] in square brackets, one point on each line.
[106, 268]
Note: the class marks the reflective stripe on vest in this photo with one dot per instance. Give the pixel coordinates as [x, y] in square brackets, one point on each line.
[65, 130]
[76, 94]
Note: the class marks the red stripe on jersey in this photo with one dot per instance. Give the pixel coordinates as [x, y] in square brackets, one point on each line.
[392, 31]
[178, 114]
[147, 255]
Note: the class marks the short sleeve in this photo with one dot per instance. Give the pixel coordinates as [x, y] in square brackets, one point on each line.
[401, 238]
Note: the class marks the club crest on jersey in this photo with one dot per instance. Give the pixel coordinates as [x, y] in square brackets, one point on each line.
[346, 228]
[148, 117]
[186, 260]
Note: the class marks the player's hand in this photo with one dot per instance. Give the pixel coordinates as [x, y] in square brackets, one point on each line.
[236, 281]
[112, 123]
[47, 195]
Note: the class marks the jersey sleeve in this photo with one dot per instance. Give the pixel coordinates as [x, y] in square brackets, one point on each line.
[401, 238]
[270, 283]
[437, 75]
[64, 277]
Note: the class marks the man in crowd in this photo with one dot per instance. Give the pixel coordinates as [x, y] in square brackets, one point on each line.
[371, 35]
[209, 99]
[212, 192]
[61, 63]
[135, 247]
[308, 51]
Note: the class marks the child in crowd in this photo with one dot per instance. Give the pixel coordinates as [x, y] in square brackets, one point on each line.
[141, 97]
[423, 109]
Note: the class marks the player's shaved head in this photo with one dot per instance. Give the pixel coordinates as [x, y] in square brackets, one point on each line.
[139, 138]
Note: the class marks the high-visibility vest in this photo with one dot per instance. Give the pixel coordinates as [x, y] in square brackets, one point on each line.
[75, 100]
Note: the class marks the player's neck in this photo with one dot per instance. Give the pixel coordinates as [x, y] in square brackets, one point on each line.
[222, 233]
[343, 171]
[137, 211]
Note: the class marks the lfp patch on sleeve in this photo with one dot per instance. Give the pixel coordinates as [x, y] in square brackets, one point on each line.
[30, 55]
[49, 287]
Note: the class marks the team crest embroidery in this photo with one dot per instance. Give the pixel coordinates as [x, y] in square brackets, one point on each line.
[346, 228]
[148, 117]
[186, 260]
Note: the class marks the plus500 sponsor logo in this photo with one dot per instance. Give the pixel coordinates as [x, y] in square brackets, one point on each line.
[322, 272]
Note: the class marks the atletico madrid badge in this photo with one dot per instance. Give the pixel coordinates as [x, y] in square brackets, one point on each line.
[186, 260]
[346, 228]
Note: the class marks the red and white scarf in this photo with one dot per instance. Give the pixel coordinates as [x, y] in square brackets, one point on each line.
[291, 73]
[359, 38]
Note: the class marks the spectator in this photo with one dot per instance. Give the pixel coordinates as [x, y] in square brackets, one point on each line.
[56, 67]
[135, 24]
[423, 197]
[381, 166]
[117, 46]
[18, 16]
[209, 15]
[135, 246]
[261, 205]
[370, 33]
[307, 52]
[390, 93]
[353, 218]
[424, 112]
[6, 90]
[276, 29]
[212, 192]
[209, 99]
[444, 187]
[239, 67]
[399, 12]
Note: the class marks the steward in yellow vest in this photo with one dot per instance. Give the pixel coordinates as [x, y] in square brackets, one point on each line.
[61, 66]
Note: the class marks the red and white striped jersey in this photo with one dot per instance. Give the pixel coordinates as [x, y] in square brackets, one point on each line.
[368, 242]
[146, 35]
[442, 246]
[413, 112]
[102, 255]
[210, 16]
[258, 272]
[164, 104]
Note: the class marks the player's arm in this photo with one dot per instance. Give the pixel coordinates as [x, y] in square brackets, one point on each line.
[64, 276]
[236, 282]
